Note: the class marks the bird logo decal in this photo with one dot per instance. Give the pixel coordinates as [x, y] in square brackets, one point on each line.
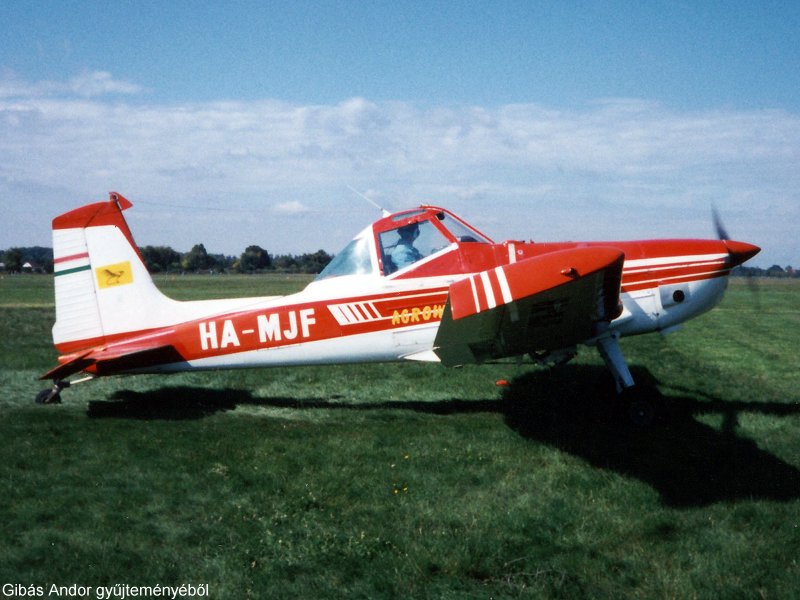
[114, 275]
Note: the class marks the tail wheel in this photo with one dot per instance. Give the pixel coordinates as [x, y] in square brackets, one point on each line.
[48, 397]
[53, 395]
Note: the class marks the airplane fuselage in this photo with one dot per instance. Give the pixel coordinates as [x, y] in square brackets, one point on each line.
[356, 319]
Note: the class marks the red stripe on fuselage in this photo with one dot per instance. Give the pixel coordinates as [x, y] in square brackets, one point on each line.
[628, 286]
[643, 278]
[63, 259]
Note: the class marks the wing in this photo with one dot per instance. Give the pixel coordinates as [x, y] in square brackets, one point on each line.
[547, 302]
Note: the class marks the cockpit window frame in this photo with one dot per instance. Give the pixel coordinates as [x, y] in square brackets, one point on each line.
[409, 214]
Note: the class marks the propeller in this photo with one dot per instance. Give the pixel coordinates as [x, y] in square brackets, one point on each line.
[739, 252]
[719, 227]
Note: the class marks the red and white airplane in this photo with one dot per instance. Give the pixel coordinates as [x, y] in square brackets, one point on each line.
[417, 285]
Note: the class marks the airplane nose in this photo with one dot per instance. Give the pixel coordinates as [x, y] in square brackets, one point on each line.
[740, 251]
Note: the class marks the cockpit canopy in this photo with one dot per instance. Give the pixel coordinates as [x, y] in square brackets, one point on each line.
[399, 241]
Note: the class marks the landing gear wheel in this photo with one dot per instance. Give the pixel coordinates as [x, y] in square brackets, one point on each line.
[642, 413]
[638, 406]
[48, 397]
[53, 395]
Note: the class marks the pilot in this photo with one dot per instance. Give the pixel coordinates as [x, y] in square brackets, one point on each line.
[404, 252]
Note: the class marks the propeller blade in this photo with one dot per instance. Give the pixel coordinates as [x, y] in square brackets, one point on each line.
[722, 233]
[739, 252]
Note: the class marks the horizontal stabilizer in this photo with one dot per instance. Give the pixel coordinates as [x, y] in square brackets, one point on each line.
[142, 359]
[109, 362]
[543, 303]
[64, 370]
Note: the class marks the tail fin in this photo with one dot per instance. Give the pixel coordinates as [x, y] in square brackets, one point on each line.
[102, 287]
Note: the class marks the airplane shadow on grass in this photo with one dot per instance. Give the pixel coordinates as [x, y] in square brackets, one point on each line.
[573, 409]
[688, 462]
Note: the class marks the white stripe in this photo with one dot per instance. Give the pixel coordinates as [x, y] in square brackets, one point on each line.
[512, 253]
[366, 313]
[375, 313]
[693, 276]
[336, 311]
[504, 289]
[676, 260]
[356, 310]
[475, 294]
[672, 267]
[411, 296]
[487, 289]
[348, 314]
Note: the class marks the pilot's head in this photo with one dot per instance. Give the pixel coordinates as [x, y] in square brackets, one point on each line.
[409, 232]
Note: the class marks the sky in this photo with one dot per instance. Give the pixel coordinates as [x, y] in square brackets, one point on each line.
[238, 123]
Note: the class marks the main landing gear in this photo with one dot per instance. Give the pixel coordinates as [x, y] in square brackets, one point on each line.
[639, 408]
[641, 411]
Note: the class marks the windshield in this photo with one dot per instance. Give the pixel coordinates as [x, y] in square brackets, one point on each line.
[355, 259]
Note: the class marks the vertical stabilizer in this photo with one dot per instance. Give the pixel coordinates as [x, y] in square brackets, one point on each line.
[102, 287]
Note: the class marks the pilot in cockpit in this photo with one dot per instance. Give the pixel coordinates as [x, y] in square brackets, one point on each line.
[404, 252]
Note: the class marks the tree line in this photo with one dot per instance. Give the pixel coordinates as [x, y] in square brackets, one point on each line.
[773, 271]
[254, 259]
[163, 259]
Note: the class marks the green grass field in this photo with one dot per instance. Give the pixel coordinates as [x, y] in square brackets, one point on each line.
[412, 481]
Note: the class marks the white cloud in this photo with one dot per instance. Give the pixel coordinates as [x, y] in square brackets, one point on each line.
[524, 169]
[100, 83]
[88, 84]
[290, 208]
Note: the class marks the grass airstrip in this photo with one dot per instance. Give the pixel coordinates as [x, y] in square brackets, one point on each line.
[409, 480]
